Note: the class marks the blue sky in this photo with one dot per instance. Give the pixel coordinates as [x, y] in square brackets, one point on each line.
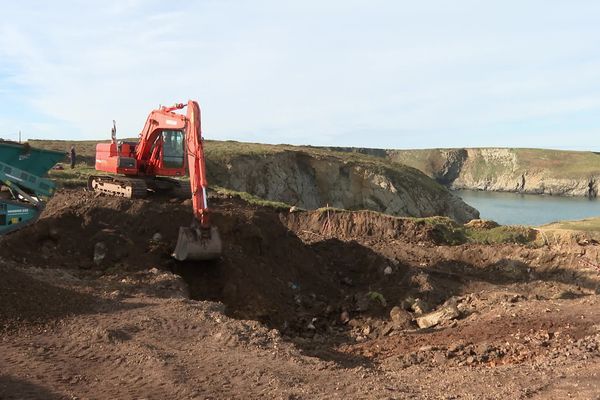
[393, 74]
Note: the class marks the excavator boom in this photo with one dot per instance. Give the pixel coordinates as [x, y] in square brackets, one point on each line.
[200, 241]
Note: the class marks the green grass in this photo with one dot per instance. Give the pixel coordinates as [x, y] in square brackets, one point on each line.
[72, 178]
[560, 164]
[584, 225]
[335, 210]
[589, 226]
[454, 234]
[502, 234]
[224, 149]
[446, 230]
[250, 199]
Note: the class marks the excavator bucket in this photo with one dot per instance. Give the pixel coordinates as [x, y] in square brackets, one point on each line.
[193, 246]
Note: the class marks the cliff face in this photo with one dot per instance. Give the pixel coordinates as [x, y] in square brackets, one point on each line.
[565, 173]
[312, 180]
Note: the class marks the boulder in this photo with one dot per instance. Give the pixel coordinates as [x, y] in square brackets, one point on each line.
[443, 314]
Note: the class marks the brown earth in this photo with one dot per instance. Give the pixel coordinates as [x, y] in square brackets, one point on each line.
[320, 304]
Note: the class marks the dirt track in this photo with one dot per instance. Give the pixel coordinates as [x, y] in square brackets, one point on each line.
[303, 305]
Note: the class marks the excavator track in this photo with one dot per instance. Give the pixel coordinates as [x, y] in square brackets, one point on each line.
[118, 186]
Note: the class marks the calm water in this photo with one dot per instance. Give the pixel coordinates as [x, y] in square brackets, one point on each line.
[529, 209]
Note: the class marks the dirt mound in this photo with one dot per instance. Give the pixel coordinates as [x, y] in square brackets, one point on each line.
[348, 225]
[308, 274]
[382, 309]
[75, 224]
[266, 272]
[25, 299]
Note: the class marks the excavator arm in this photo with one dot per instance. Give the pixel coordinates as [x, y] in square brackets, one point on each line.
[201, 240]
[196, 165]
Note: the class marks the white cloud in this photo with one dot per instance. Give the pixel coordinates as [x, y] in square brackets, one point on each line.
[347, 73]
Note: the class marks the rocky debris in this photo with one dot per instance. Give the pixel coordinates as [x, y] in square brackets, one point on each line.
[99, 252]
[400, 318]
[153, 282]
[566, 294]
[418, 306]
[442, 315]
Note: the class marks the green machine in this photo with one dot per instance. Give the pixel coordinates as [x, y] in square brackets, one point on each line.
[23, 188]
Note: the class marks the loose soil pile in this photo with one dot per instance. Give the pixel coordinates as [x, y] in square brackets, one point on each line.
[384, 304]
[266, 273]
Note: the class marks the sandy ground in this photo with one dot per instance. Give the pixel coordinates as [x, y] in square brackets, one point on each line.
[300, 306]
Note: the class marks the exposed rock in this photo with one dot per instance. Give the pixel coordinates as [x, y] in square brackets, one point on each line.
[310, 181]
[344, 317]
[99, 252]
[446, 313]
[401, 319]
[508, 170]
[452, 162]
[419, 307]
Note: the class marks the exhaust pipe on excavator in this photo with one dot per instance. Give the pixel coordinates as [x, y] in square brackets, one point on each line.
[197, 244]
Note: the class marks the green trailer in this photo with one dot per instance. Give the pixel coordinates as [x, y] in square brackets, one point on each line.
[24, 189]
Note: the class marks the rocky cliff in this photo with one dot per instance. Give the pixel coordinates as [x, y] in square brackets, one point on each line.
[537, 171]
[311, 178]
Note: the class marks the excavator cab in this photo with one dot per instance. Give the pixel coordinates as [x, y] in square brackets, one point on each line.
[173, 149]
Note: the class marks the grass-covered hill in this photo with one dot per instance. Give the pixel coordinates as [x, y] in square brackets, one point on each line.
[307, 177]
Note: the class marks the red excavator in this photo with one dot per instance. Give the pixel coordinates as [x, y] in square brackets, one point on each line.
[169, 144]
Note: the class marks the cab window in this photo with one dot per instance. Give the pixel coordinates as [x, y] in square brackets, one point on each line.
[173, 149]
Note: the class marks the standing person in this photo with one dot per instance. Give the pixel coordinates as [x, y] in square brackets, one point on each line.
[72, 155]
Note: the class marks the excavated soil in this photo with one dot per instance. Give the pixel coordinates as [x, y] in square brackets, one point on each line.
[320, 304]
